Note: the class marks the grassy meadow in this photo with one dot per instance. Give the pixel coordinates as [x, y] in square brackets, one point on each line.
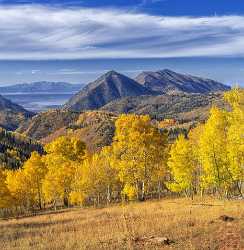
[187, 224]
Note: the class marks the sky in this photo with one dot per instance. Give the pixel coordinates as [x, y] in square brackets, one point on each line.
[76, 41]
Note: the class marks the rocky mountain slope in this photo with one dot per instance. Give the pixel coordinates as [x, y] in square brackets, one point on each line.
[114, 86]
[168, 81]
[11, 114]
[105, 89]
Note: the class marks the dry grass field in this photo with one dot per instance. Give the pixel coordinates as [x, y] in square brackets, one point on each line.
[187, 224]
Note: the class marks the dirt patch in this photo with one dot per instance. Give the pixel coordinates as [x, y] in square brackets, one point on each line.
[226, 218]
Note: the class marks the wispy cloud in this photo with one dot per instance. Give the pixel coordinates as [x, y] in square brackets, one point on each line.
[38, 32]
[78, 72]
[91, 72]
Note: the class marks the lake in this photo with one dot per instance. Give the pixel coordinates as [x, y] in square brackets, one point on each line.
[39, 101]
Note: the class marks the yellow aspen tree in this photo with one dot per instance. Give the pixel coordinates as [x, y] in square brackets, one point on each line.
[64, 155]
[235, 135]
[95, 179]
[139, 149]
[25, 184]
[213, 153]
[34, 171]
[87, 182]
[108, 173]
[5, 196]
[182, 167]
[16, 183]
[194, 137]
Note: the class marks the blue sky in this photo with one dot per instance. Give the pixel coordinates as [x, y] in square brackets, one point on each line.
[76, 41]
[159, 7]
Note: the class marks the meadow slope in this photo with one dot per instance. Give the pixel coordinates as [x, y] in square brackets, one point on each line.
[187, 224]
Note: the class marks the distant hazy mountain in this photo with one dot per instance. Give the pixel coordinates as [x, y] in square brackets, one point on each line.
[11, 114]
[5, 104]
[51, 87]
[167, 81]
[105, 89]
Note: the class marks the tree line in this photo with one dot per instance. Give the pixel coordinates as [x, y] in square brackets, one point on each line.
[139, 164]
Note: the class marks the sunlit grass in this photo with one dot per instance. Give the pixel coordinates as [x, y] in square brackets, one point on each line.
[190, 224]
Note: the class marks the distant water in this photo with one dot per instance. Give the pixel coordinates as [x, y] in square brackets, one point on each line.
[39, 101]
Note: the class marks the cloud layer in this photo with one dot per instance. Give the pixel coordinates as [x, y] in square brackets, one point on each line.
[38, 32]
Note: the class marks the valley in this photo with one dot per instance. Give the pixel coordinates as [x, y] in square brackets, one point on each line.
[90, 114]
[108, 168]
[121, 125]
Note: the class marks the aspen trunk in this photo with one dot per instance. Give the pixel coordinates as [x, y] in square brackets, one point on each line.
[108, 194]
[159, 190]
[143, 191]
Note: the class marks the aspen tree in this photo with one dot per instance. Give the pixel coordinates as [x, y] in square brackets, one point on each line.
[139, 149]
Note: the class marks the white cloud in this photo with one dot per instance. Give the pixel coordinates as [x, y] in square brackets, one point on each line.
[35, 71]
[38, 32]
[91, 72]
[77, 72]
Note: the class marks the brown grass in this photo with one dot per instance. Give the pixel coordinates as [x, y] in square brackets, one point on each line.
[190, 224]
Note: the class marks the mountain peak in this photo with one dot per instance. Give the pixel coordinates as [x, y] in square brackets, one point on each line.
[111, 73]
[167, 71]
[166, 81]
[110, 86]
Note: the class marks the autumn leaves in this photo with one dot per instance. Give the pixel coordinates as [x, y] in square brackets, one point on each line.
[139, 164]
[211, 159]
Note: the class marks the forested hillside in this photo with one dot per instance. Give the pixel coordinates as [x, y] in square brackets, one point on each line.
[15, 149]
[11, 114]
[182, 107]
[96, 128]
[45, 123]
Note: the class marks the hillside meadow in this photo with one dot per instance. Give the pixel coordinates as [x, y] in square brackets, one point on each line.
[186, 224]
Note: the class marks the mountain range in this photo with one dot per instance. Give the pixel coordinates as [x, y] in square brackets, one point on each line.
[114, 86]
[43, 86]
[105, 89]
[162, 94]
